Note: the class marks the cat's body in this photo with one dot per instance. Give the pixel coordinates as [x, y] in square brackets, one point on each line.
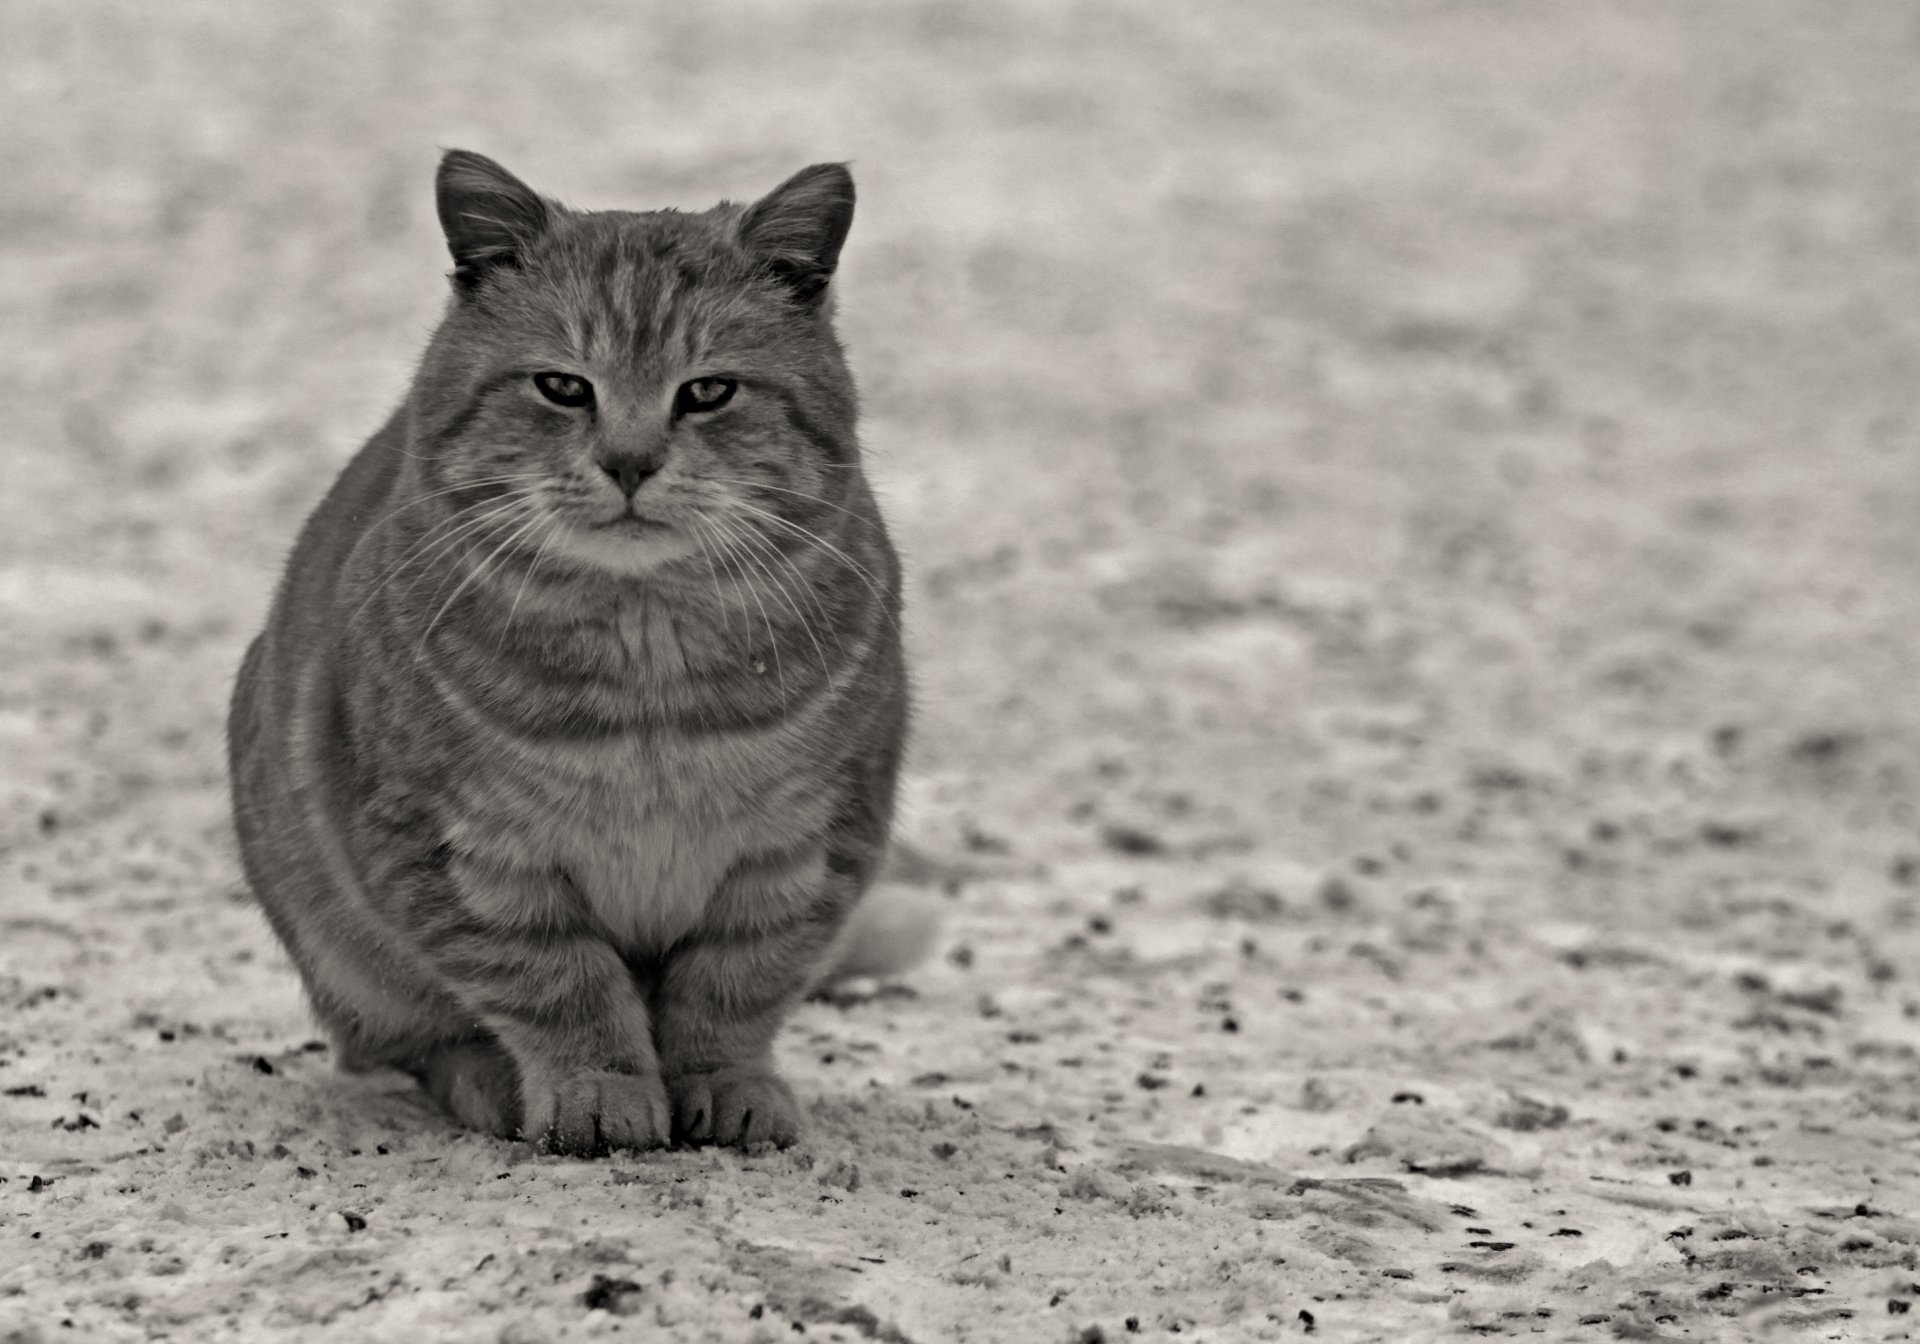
[570, 743]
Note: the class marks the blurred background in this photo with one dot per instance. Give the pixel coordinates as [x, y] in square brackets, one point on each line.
[1253, 386]
[1431, 461]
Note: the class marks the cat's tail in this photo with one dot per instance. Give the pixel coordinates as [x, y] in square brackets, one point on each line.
[890, 932]
[896, 926]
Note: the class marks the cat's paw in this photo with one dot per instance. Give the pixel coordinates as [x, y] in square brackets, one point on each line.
[596, 1111]
[744, 1108]
[474, 1082]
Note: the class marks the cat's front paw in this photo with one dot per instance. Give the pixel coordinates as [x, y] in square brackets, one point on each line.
[597, 1111]
[746, 1108]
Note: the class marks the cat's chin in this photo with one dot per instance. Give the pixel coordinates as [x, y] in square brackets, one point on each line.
[625, 550]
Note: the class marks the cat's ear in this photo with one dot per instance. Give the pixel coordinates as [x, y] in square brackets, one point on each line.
[489, 215]
[796, 230]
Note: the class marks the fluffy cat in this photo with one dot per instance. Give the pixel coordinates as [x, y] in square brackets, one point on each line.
[570, 743]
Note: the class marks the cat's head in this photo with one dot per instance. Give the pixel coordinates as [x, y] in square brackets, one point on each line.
[628, 390]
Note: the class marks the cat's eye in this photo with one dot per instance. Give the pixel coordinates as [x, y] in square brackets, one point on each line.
[564, 389]
[703, 394]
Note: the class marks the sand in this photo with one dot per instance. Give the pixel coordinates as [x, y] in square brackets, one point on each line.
[1415, 593]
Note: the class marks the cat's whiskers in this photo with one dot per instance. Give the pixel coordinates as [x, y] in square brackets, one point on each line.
[553, 530]
[775, 553]
[474, 574]
[752, 590]
[701, 538]
[777, 556]
[797, 494]
[809, 535]
[441, 537]
[780, 587]
[479, 484]
[434, 531]
[774, 556]
[431, 548]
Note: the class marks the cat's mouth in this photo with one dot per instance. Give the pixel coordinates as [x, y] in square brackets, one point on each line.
[630, 544]
[631, 524]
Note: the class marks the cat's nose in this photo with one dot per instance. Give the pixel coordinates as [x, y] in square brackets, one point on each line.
[630, 471]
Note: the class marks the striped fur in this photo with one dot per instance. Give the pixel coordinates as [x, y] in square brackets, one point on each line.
[561, 809]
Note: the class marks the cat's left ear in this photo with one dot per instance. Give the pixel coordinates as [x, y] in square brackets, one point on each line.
[489, 215]
[796, 229]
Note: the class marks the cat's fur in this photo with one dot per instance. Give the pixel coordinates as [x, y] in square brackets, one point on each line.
[560, 797]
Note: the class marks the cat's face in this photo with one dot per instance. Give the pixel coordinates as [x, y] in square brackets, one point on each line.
[628, 391]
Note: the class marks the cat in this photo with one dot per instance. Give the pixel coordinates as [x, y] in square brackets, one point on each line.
[571, 740]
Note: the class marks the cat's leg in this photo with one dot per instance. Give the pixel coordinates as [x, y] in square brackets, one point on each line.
[721, 998]
[511, 945]
[717, 1021]
[379, 1005]
[475, 1082]
[382, 1011]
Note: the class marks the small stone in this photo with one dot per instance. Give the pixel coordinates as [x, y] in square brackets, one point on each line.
[1131, 840]
[842, 1175]
[618, 1296]
[1336, 893]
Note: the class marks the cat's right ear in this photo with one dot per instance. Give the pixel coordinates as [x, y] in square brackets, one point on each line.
[796, 230]
[489, 215]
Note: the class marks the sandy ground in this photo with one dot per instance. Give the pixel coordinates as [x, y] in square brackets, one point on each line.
[1412, 511]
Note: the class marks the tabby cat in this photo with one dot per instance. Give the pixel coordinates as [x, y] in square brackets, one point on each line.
[570, 744]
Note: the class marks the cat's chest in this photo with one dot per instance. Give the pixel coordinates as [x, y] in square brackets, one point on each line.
[646, 828]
